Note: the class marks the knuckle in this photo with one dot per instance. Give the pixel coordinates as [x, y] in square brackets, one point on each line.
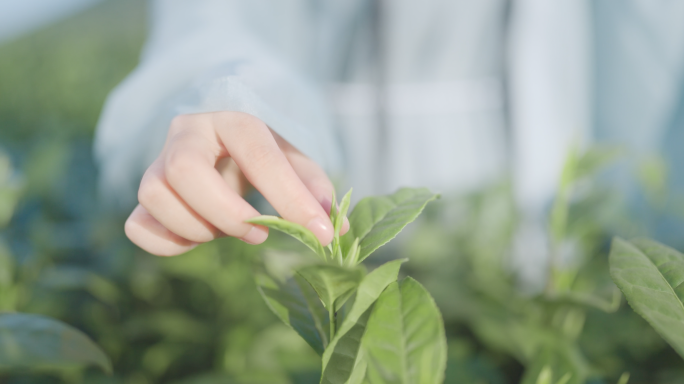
[178, 124]
[197, 123]
[149, 192]
[240, 118]
[178, 163]
[261, 155]
[251, 120]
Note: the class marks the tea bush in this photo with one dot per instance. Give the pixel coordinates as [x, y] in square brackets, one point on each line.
[200, 318]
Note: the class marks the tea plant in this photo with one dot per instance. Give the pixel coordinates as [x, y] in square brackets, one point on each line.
[367, 327]
[568, 329]
[30, 341]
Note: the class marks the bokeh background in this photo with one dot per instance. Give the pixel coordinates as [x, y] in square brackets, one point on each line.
[198, 318]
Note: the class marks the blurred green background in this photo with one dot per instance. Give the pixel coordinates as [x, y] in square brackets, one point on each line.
[198, 318]
[159, 320]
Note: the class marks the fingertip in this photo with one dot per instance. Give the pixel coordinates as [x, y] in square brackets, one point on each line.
[322, 228]
[345, 226]
[256, 235]
[326, 203]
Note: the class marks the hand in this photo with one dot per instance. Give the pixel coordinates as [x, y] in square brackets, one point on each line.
[192, 193]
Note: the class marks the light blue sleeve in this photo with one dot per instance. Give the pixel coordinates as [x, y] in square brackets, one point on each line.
[256, 57]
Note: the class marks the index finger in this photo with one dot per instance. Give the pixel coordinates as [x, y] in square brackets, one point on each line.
[189, 166]
[254, 149]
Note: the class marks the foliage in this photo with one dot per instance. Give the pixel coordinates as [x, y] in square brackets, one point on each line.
[651, 276]
[29, 341]
[405, 340]
[41, 343]
[378, 330]
[571, 330]
[200, 318]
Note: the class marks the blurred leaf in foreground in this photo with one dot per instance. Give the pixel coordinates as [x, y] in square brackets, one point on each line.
[38, 342]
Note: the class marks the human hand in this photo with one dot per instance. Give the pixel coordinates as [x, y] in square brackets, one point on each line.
[192, 193]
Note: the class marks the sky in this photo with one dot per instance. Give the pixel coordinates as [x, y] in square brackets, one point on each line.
[18, 17]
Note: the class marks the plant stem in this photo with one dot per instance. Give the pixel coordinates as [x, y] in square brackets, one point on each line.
[331, 316]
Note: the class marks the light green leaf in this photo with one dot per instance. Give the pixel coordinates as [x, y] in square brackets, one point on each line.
[596, 158]
[353, 253]
[624, 378]
[296, 304]
[339, 303]
[565, 379]
[295, 230]
[651, 276]
[545, 376]
[557, 363]
[359, 372]
[337, 216]
[377, 220]
[340, 360]
[9, 190]
[587, 299]
[37, 342]
[342, 213]
[332, 281]
[404, 339]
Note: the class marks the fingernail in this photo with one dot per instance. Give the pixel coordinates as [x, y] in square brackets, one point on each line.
[326, 204]
[256, 235]
[345, 226]
[322, 229]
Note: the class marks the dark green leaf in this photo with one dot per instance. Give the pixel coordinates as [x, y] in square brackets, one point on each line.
[340, 362]
[296, 303]
[651, 276]
[295, 230]
[377, 220]
[331, 281]
[404, 339]
[39, 342]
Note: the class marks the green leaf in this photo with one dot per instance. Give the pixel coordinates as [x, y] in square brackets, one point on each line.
[596, 158]
[340, 360]
[38, 342]
[296, 304]
[651, 276]
[557, 363]
[9, 190]
[377, 220]
[331, 281]
[545, 376]
[624, 378]
[353, 253]
[295, 230]
[404, 339]
[587, 299]
[342, 213]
